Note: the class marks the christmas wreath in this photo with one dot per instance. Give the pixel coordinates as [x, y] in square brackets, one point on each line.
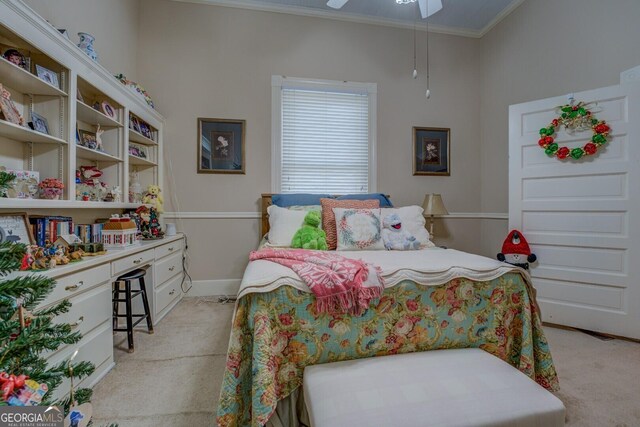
[574, 117]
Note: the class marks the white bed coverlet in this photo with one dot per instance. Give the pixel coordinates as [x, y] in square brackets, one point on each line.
[430, 267]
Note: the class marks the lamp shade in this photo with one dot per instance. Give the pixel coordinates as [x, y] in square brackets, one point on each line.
[433, 205]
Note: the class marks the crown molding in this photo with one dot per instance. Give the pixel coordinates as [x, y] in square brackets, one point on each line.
[350, 17]
[499, 17]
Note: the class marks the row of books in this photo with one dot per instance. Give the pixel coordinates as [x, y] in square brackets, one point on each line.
[49, 228]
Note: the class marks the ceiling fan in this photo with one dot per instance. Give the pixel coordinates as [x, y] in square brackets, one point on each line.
[427, 7]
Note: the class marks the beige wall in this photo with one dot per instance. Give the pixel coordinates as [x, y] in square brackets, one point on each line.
[545, 48]
[210, 61]
[114, 23]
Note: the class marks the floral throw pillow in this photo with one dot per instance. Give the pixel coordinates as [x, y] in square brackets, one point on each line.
[358, 229]
[329, 219]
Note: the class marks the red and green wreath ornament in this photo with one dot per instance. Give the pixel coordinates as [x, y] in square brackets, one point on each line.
[574, 117]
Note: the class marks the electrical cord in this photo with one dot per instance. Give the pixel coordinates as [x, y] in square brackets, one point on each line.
[176, 203]
[185, 271]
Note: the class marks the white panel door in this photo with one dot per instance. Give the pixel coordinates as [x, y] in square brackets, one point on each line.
[581, 218]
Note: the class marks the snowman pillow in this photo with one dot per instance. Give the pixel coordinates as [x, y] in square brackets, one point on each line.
[404, 228]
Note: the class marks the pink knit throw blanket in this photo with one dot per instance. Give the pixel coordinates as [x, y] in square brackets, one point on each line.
[341, 285]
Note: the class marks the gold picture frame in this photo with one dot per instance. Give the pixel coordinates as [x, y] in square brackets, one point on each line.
[431, 151]
[221, 146]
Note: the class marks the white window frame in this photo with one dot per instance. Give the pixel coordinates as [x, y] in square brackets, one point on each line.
[281, 82]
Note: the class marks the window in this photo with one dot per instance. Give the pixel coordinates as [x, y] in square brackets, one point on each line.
[323, 137]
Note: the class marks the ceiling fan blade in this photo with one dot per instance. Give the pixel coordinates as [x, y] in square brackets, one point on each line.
[336, 4]
[429, 7]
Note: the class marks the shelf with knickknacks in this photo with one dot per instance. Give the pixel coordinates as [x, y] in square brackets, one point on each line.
[90, 186]
[33, 102]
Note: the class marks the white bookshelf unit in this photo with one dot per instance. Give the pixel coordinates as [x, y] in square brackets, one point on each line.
[87, 284]
[58, 154]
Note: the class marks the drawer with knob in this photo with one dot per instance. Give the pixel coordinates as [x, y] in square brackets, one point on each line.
[88, 310]
[169, 248]
[168, 267]
[167, 293]
[133, 261]
[73, 284]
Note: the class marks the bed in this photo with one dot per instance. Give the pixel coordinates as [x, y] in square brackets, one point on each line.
[434, 298]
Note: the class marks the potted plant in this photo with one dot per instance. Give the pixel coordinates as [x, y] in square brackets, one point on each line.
[51, 188]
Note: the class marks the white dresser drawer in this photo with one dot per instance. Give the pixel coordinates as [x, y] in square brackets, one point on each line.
[73, 284]
[169, 248]
[167, 268]
[88, 310]
[167, 293]
[96, 347]
[133, 261]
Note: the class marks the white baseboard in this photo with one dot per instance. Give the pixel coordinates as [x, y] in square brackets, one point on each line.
[211, 288]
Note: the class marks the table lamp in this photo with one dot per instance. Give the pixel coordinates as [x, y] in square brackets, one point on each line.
[433, 205]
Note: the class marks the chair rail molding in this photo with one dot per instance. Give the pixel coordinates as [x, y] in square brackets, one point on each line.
[256, 215]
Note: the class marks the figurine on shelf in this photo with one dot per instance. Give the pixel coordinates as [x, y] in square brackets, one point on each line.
[89, 173]
[148, 223]
[40, 260]
[51, 188]
[27, 259]
[135, 189]
[99, 133]
[154, 198]
[78, 178]
[76, 255]
[117, 194]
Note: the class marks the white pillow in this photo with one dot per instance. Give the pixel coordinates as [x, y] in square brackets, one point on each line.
[283, 224]
[412, 224]
[358, 229]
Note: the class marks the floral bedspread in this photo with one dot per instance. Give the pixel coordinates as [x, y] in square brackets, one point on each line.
[276, 334]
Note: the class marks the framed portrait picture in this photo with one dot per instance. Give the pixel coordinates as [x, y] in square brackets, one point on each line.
[14, 227]
[134, 123]
[17, 58]
[88, 139]
[431, 151]
[9, 110]
[108, 110]
[221, 146]
[145, 129]
[138, 150]
[39, 123]
[47, 75]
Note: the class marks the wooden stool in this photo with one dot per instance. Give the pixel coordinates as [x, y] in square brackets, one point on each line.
[128, 296]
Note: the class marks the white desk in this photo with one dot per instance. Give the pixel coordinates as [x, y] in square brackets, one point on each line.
[87, 285]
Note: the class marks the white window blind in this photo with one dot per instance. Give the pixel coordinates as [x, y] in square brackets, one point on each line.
[325, 141]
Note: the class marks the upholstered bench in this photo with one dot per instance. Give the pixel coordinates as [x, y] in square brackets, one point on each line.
[465, 387]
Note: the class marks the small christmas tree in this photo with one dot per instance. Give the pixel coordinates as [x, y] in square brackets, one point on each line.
[26, 332]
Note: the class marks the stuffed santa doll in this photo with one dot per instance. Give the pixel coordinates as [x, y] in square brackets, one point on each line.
[516, 251]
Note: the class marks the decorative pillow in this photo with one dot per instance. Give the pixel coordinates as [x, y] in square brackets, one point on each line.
[358, 229]
[329, 219]
[411, 224]
[306, 208]
[283, 224]
[384, 200]
[296, 199]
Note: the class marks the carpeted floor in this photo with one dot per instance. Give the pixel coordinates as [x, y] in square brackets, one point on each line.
[173, 378]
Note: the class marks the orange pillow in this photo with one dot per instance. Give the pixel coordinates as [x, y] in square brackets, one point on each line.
[329, 218]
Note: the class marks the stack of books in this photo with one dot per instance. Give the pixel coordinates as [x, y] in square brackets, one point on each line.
[49, 228]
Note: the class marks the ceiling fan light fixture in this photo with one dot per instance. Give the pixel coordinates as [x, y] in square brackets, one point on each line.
[405, 1]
